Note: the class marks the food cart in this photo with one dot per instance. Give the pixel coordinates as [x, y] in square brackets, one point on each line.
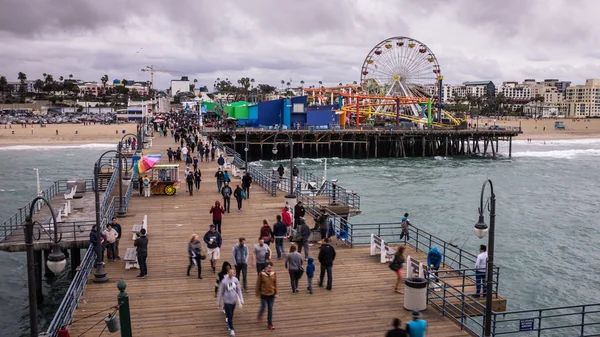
[165, 179]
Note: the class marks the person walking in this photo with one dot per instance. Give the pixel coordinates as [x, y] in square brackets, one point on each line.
[197, 179]
[240, 261]
[141, 245]
[266, 233]
[116, 226]
[96, 243]
[266, 290]
[397, 331]
[260, 255]
[295, 171]
[310, 273]
[246, 184]
[229, 293]
[326, 258]
[321, 225]
[480, 268]
[397, 267]
[220, 276]
[304, 235]
[280, 170]
[146, 186]
[299, 212]
[189, 179]
[286, 217]
[279, 232]
[417, 327]
[141, 185]
[219, 176]
[221, 161]
[226, 177]
[213, 241]
[293, 263]
[239, 195]
[217, 212]
[195, 163]
[195, 255]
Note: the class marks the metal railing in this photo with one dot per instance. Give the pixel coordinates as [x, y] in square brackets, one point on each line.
[575, 320]
[72, 231]
[17, 220]
[108, 191]
[129, 192]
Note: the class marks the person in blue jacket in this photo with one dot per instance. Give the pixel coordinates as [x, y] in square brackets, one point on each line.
[310, 273]
[434, 259]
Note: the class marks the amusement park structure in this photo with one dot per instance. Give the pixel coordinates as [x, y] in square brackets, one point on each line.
[393, 82]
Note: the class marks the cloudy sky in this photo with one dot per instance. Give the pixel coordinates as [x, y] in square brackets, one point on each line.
[274, 40]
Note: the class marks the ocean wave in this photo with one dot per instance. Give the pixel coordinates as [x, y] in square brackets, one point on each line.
[579, 141]
[558, 153]
[57, 147]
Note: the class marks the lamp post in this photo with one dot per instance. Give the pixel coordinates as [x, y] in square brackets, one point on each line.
[233, 136]
[56, 261]
[291, 144]
[246, 149]
[100, 274]
[121, 211]
[481, 228]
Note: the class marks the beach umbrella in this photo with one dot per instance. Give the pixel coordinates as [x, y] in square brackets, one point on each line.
[158, 120]
[147, 162]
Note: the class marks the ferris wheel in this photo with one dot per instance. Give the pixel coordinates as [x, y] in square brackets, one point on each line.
[400, 66]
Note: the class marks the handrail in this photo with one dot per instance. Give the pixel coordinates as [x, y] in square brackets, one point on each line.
[129, 192]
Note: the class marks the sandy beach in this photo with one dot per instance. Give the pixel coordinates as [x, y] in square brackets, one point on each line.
[67, 134]
[86, 134]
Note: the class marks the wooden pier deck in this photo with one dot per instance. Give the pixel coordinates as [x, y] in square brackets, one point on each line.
[169, 303]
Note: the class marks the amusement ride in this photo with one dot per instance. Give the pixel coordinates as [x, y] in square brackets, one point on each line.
[400, 79]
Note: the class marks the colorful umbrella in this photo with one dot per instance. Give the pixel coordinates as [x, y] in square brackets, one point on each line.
[148, 162]
[158, 120]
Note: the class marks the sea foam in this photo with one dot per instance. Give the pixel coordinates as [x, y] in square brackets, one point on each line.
[558, 153]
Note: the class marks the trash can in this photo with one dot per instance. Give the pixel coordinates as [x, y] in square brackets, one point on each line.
[415, 293]
[78, 201]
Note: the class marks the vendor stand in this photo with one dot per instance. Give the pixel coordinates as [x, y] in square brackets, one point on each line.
[165, 179]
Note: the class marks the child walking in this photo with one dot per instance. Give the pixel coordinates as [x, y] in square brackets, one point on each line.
[310, 272]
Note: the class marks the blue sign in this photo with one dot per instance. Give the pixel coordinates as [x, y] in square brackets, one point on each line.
[204, 109]
[187, 107]
[526, 324]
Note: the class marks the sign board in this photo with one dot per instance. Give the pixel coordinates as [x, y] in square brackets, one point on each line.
[526, 324]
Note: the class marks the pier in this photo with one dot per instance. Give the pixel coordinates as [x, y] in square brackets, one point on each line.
[167, 302]
[370, 143]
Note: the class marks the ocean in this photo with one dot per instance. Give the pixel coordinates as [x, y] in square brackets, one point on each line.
[546, 212]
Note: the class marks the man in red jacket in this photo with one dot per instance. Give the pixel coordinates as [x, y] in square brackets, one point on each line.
[286, 217]
[217, 211]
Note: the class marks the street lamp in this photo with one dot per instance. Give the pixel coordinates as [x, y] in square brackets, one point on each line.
[56, 261]
[233, 136]
[291, 144]
[481, 229]
[246, 149]
[100, 274]
[125, 180]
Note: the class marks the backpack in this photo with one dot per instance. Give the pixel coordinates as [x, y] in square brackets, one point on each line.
[242, 195]
[226, 192]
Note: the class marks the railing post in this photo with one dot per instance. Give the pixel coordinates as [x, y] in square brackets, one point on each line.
[444, 254]
[124, 314]
[417, 244]
[539, 329]
[582, 320]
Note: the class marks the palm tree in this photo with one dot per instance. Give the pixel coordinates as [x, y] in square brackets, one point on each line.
[302, 84]
[3, 85]
[22, 77]
[321, 84]
[282, 83]
[104, 79]
[340, 84]
[252, 82]
[60, 78]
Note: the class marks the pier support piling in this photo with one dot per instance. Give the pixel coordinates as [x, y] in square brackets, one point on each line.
[37, 266]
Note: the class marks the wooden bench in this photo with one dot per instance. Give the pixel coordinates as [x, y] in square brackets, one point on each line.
[135, 229]
[385, 251]
[69, 197]
[131, 259]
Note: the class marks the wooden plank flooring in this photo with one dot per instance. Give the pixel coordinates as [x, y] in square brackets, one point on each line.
[168, 303]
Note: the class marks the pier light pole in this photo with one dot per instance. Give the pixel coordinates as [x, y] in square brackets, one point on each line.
[56, 260]
[100, 274]
[481, 228]
[233, 136]
[291, 144]
[124, 180]
[246, 149]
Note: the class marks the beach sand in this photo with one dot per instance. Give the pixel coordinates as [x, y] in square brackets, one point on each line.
[534, 129]
[86, 134]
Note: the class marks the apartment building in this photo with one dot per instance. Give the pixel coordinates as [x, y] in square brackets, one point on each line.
[584, 100]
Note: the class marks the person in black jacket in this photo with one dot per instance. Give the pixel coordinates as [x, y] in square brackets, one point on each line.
[299, 212]
[304, 231]
[190, 182]
[237, 194]
[279, 232]
[226, 192]
[220, 177]
[321, 224]
[246, 183]
[281, 170]
[116, 226]
[326, 258]
[141, 244]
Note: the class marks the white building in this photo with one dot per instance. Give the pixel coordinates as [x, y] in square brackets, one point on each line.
[136, 110]
[514, 91]
[182, 85]
[541, 109]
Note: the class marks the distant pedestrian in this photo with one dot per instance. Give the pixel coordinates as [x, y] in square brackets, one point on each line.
[480, 270]
[226, 177]
[266, 233]
[221, 161]
[293, 263]
[405, 230]
[195, 163]
[261, 254]
[213, 241]
[295, 171]
[310, 273]
[189, 179]
[226, 192]
[304, 235]
[229, 293]
[197, 179]
[116, 226]
[219, 176]
[280, 230]
[286, 217]
[95, 241]
[170, 154]
[397, 266]
[110, 235]
[321, 224]
[326, 258]
[141, 244]
[195, 255]
[417, 327]
[240, 257]
[239, 195]
[147, 187]
[434, 260]
[141, 184]
[266, 290]
[299, 212]
[397, 331]
[281, 171]
[246, 184]
[217, 212]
